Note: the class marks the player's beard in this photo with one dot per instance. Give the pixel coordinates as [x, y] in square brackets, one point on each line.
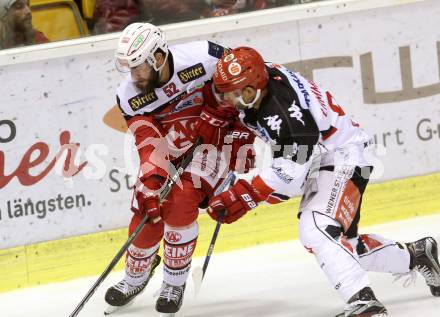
[150, 84]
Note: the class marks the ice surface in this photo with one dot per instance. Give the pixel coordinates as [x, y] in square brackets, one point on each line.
[270, 280]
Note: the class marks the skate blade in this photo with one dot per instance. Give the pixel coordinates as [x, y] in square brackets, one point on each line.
[167, 315]
[112, 309]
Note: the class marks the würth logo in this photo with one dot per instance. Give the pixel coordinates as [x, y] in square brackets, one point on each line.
[173, 236]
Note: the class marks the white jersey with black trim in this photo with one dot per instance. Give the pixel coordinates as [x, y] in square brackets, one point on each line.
[301, 121]
[192, 65]
[176, 105]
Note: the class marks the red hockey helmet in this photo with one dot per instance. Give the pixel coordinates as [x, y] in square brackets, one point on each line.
[242, 67]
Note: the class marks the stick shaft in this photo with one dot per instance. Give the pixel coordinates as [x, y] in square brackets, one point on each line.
[229, 181]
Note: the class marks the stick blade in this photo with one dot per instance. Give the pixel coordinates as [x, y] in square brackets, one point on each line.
[197, 276]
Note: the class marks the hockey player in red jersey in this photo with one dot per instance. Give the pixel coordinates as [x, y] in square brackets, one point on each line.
[166, 100]
[319, 149]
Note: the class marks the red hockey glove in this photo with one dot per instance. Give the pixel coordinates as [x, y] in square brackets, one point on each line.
[148, 199]
[212, 126]
[234, 203]
[242, 148]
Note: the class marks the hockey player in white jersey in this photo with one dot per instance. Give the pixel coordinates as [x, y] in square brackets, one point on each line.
[319, 149]
[166, 100]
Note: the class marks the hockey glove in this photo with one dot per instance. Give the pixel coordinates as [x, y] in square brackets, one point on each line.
[242, 148]
[148, 198]
[212, 126]
[234, 203]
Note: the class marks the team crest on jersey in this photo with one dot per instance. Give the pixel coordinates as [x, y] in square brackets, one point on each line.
[142, 100]
[191, 73]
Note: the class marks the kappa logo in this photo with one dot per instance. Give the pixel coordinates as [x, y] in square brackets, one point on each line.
[295, 112]
[274, 122]
[142, 100]
[191, 73]
[173, 236]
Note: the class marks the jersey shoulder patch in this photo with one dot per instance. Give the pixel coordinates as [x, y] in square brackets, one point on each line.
[216, 50]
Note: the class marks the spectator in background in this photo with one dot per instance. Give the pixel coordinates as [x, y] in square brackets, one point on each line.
[226, 7]
[161, 12]
[114, 15]
[16, 25]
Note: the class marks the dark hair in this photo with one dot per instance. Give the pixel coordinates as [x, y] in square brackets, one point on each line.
[159, 50]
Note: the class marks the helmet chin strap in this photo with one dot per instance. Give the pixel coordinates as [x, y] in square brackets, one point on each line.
[250, 104]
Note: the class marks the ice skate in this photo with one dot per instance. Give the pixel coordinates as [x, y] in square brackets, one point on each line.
[122, 294]
[424, 259]
[170, 299]
[364, 304]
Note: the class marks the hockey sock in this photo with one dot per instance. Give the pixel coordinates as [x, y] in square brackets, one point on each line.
[179, 245]
[138, 262]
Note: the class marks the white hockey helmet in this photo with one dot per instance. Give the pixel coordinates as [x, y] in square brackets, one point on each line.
[137, 44]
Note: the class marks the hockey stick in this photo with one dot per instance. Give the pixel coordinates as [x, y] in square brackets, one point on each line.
[199, 273]
[163, 194]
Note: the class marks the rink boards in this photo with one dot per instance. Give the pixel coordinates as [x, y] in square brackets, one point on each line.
[384, 55]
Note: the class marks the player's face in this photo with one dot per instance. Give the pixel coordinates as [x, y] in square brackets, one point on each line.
[20, 15]
[145, 76]
[238, 98]
[233, 97]
[248, 95]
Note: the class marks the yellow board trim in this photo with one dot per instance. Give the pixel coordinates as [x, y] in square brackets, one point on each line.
[87, 255]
